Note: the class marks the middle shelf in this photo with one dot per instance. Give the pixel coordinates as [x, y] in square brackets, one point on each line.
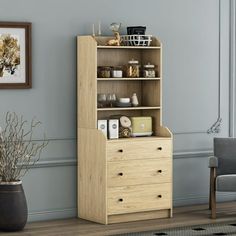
[128, 108]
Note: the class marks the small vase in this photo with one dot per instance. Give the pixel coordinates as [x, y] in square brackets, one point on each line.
[134, 100]
[13, 206]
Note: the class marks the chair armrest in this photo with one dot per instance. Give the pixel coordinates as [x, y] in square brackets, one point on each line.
[212, 162]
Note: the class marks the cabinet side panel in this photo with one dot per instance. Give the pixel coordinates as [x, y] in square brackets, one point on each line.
[86, 82]
[92, 175]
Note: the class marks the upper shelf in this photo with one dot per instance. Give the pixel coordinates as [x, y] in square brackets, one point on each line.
[123, 78]
[128, 47]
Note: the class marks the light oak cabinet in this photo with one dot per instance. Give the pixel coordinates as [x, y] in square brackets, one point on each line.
[124, 179]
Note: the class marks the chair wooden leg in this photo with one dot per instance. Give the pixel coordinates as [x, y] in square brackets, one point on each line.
[210, 196]
[213, 206]
[213, 193]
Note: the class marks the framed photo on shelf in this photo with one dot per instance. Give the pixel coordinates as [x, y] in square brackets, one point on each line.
[15, 55]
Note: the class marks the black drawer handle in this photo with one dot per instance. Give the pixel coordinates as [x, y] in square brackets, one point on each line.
[159, 196]
[120, 199]
[120, 150]
[120, 174]
[159, 171]
[159, 148]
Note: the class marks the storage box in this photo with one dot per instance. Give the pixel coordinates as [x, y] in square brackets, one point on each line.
[141, 126]
[102, 125]
[113, 129]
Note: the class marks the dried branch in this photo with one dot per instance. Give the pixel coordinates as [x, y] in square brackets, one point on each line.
[18, 151]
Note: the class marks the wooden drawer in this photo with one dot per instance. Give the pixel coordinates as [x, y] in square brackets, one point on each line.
[139, 198]
[134, 172]
[138, 149]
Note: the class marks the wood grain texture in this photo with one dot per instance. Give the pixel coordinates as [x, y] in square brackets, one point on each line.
[164, 132]
[115, 57]
[102, 42]
[138, 198]
[151, 93]
[127, 79]
[128, 108]
[138, 150]
[86, 82]
[105, 114]
[92, 175]
[124, 176]
[213, 192]
[135, 172]
[147, 215]
[156, 119]
[122, 89]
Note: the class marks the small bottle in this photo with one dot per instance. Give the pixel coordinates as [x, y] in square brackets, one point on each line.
[134, 100]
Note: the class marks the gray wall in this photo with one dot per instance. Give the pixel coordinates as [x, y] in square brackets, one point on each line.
[189, 30]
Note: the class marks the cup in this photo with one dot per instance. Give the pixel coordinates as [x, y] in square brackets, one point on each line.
[101, 100]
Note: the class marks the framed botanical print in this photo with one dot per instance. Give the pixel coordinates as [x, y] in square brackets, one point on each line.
[15, 55]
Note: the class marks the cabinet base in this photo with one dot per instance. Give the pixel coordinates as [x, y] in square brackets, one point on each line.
[147, 215]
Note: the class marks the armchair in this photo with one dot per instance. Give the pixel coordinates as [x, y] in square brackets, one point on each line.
[222, 170]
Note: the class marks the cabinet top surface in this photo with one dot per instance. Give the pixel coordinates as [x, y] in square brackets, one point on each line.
[151, 138]
[101, 42]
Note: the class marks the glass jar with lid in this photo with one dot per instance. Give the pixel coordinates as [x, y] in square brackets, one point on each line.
[149, 71]
[117, 72]
[104, 72]
[133, 69]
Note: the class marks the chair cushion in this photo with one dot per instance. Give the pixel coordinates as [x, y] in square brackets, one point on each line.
[225, 151]
[226, 183]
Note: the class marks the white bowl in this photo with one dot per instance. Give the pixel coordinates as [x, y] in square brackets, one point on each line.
[124, 100]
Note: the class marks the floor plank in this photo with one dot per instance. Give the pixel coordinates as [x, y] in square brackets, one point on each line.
[183, 216]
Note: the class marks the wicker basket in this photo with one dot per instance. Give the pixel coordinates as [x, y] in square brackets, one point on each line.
[136, 40]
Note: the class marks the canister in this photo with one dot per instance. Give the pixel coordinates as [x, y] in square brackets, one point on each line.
[133, 69]
[117, 72]
[149, 71]
[104, 72]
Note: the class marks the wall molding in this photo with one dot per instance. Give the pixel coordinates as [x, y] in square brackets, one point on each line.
[216, 126]
[55, 163]
[193, 199]
[52, 214]
[193, 154]
[73, 162]
[232, 65]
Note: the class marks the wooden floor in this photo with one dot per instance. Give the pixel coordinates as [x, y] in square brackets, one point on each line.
[183, 216]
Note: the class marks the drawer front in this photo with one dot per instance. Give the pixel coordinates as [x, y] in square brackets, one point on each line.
[134, 172]
[139, 198]
[138, 150]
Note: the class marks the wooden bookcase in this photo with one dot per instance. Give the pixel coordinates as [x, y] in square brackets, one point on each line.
[124, 179]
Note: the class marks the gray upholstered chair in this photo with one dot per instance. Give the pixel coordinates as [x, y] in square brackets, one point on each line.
[222, 170]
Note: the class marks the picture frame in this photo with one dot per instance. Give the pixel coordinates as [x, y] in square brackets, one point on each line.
[15, 55]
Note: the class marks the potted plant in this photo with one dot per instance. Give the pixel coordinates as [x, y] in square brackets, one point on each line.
[18, 153]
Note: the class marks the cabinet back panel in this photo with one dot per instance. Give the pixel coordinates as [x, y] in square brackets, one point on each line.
[107, 114]
[114, 57]
[151, 93]
[122, 89]
[156, 118]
